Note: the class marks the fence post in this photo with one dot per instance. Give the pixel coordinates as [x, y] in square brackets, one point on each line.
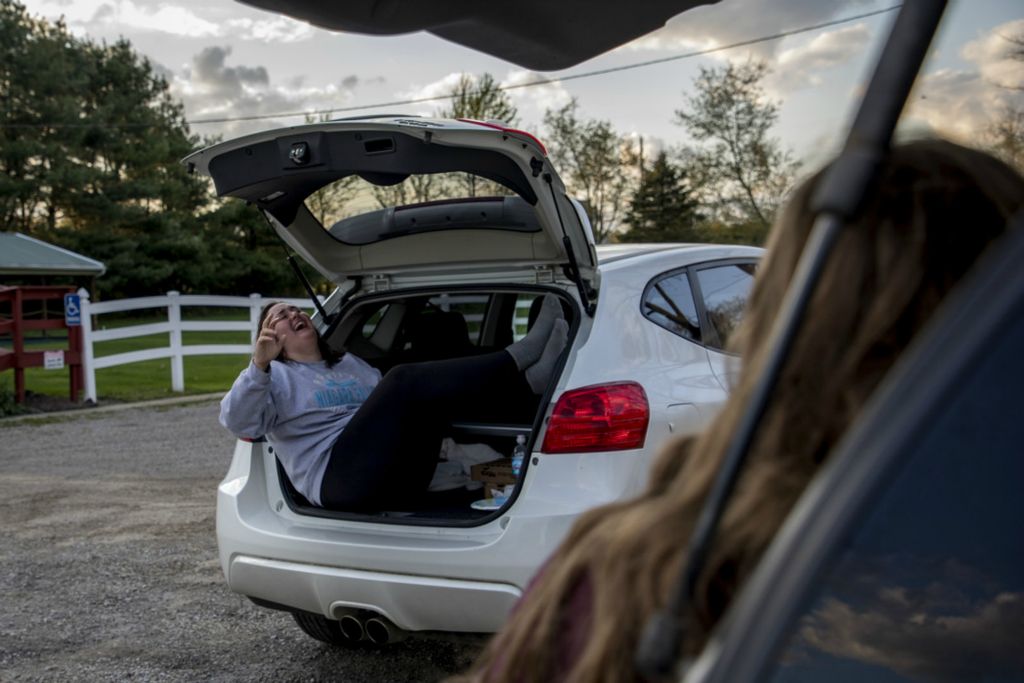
[88, 368]
[19, 346]
[255, 304]
[177, 360]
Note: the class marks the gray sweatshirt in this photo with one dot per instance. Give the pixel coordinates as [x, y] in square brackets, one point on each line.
[301, 408]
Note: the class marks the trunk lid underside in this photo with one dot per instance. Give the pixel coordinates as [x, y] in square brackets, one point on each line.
[539, 227]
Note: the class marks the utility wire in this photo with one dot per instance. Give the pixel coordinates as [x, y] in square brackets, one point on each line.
[570, 77]
[530, 84]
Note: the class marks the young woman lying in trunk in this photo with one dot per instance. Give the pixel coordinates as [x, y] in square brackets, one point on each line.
[341, 431]
[934, 209]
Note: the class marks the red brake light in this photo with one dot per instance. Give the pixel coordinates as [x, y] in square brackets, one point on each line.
[512, 131]
[604, 417]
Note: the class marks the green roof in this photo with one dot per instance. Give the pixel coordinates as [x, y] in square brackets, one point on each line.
[24, 255]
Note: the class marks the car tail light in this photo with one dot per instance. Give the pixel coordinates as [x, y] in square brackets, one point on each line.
[604, 417]
[512, 131]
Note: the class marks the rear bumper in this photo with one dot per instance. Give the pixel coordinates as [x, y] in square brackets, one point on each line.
[411, 602]
[460, 579]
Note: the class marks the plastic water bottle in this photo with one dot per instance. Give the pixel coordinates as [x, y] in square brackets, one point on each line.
[518, 454]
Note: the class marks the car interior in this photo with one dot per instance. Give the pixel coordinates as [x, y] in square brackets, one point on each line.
[436, 325]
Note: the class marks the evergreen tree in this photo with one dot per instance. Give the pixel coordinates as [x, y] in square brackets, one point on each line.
[90, 148]
[662, 209]
[39, 79]
[132, 203]
[243, 255]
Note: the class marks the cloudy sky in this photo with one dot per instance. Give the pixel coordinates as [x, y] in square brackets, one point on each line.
[227, 60]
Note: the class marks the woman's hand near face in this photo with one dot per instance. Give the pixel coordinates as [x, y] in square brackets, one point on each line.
[267, 348]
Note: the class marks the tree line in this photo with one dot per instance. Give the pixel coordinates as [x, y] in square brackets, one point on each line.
[91, 139]
[725, 187]
[90, 147]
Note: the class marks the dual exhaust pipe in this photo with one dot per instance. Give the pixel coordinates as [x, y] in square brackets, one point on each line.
[358, 626]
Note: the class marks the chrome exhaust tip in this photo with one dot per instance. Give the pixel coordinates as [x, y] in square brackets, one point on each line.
[381, 631]
[351, 627]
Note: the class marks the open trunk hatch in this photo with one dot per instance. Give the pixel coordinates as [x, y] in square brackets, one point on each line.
[277, 170]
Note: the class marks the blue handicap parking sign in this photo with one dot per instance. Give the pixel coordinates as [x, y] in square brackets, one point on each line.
[72, 310]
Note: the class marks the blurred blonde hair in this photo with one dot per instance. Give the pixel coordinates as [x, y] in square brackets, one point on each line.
[934, 208]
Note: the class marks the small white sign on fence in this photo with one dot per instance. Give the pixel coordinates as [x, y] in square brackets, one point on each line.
[53, 360]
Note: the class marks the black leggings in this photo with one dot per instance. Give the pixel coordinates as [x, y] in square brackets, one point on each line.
[387, 453]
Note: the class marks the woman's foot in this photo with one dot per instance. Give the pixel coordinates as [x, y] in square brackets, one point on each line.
[539, 374]
[530, 348]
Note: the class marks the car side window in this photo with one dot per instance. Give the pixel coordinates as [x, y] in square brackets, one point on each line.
[668, 302]
[724, 291]
[930, 586]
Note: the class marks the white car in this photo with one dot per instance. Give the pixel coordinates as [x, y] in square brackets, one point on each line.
[648, 323]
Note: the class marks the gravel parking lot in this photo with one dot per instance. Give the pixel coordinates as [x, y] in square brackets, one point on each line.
[110, 572]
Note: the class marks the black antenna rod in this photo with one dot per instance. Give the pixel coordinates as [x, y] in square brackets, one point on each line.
[837, 198]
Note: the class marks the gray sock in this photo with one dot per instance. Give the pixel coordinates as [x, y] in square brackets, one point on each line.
[527, 350]
[539, 374]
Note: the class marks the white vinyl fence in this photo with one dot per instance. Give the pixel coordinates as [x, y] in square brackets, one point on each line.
[469, 305]
[173, 302]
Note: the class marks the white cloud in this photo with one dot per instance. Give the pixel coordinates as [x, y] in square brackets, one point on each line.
[432, 89]
[962, 103]
[74, 13]
[733, 21]
[127, 16]
[803, 65]
[212, 88]
[438, 88]
[184, 19]
[534, 100]
[271, 30]
[992, 54]
[927, 639]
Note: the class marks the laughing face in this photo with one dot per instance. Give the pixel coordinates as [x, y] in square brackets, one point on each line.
[294, 330]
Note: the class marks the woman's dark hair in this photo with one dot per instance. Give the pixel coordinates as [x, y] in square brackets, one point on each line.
[331, 356]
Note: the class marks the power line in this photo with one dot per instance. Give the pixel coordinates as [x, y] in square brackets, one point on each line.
[571, 77]
[531, 84]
